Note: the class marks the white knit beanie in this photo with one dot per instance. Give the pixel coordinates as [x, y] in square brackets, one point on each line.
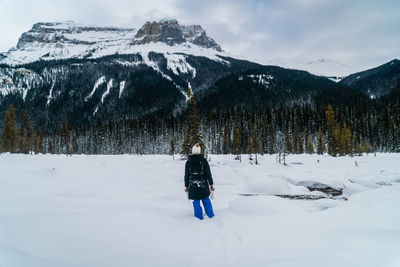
[196, 149]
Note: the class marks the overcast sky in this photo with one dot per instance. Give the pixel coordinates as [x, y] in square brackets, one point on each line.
[359, 33]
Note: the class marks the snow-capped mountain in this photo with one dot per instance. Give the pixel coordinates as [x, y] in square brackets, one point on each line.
[71, 41]
[64, 40]
[88, 72]
[330, 68]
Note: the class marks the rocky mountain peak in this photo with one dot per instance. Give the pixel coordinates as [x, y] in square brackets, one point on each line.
[172, 33]
[61, 32]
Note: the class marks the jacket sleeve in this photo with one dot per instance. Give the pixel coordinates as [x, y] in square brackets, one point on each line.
[208, 173]
[187, 174]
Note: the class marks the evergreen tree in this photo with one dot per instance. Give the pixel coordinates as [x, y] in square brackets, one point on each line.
[25, 133]
[75, 146]
[65, 135]
[226, 142]
[254, 142]
[345, 141]
[33, 145]
[271, 141]
[39, 143]
[172, 148]
[193, 127]
[237, 143]
[8, 136]
[295, 142]
[185, 148]
[288, 145]
[366, 147]
[320, 145]
[332, 131]
[51, 145]
[300, 145]
[310, 146]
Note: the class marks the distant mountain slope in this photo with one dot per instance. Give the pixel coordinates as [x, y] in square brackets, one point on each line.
[130, 86]
[271, 85]
[90, 73]
[377, 81]
[323, 66]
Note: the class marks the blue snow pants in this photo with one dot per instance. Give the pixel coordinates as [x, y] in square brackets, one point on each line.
[198, 211]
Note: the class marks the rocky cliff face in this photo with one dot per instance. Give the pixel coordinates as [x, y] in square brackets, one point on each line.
[172, 33]
[67, 32]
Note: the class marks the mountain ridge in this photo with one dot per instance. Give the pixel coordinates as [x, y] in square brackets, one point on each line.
[63, 40]
[88, 73]
[377, 81]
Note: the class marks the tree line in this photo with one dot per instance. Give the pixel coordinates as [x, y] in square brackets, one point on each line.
[295, 129]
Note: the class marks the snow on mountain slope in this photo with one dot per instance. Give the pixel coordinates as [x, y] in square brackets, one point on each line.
[177, 64]
[18, 80]
[109, 85]
[321, 67]
[95, 211]
[121, 88]
[62, 40]
[65, 40]
[100, 81]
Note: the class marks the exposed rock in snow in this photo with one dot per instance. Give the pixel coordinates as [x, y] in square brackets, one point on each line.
[63, 40]
[18, 80]
[172, 33]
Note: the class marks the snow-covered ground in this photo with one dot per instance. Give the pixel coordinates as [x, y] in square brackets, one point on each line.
[132, 211]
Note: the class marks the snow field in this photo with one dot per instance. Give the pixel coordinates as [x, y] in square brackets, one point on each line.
[131, 211]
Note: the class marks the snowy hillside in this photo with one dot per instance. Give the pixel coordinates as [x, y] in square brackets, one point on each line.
[68, 39]
[131, 211]
[323, 67]
[63, 40]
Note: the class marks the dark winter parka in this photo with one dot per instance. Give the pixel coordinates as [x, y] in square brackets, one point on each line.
[198, 177]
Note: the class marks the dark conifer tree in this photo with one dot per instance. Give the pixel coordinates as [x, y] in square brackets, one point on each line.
[172, 148]
[254, 144]
[320, 145]
[237, 143]
[309, 146]
[271, 141]
[9, 136]
[193, 133]
[25, 133]
[39, 143]
[226, 142]
[332, 131]
[65, 135]
[288, 145]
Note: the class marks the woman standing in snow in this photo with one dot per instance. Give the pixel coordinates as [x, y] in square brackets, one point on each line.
[198, 182]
